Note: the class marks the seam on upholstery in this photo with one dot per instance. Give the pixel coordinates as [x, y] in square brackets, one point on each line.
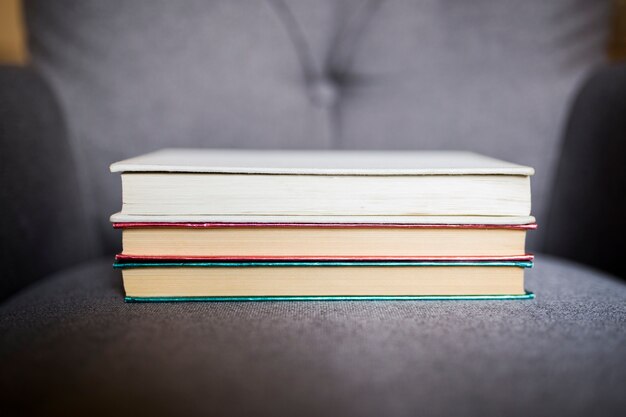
[345, 43]
[341, 55]
[338, 62]
[310, 68]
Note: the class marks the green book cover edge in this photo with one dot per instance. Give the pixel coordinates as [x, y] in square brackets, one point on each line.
[526, 296]
[122, 265]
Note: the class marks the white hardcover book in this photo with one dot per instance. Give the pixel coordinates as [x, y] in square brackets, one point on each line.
[202, 182]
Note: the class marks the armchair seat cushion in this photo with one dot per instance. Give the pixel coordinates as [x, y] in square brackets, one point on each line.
[71, 346]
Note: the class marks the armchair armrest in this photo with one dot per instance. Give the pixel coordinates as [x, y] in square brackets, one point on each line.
[587, 219]
[43, 226]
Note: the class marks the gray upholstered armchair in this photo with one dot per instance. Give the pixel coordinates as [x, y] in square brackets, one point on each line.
[522, 81]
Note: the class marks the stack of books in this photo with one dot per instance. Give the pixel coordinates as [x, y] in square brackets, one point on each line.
[291, 225]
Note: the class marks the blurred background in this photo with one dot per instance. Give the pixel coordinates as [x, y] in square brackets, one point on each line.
[540, 83]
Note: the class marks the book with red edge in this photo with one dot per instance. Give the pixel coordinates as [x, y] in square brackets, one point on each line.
[322, 241]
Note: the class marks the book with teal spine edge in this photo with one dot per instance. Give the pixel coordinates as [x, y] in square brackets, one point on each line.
[526, 296]
[521, 264]
[330, 264]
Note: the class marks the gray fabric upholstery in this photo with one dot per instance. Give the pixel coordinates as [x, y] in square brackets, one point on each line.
[492, 76]
[42, 221]
[72, 347]
[587, 220]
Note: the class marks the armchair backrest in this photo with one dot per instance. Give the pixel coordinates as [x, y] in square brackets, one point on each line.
[43, 222]
[493, 76]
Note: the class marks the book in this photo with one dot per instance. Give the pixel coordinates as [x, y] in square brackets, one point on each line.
[187, 182]
[182, 280]
[143, 240]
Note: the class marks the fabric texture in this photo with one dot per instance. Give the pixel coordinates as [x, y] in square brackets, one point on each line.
[490, 76]
[42, 218]
[71, 346]
[587, 220]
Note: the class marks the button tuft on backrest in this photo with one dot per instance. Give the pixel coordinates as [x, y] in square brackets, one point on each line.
[323, 92]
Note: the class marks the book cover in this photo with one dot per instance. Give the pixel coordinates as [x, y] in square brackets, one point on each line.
[310, 162]
[121, 264]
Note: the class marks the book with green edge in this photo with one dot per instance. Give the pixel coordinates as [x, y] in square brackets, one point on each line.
[323, 281]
